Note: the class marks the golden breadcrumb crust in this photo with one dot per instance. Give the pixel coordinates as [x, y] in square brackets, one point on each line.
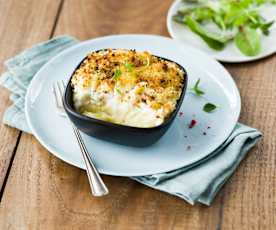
[156, 82]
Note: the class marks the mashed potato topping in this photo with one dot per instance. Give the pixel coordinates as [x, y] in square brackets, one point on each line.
[127, 87]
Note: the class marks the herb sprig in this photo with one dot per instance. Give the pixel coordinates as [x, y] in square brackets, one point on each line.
[196, 90]
[238, 21]
[208, 107]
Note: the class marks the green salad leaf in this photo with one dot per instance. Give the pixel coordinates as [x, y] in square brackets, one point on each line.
[212, 40]
[264, 26]
[221, 21]
[248, 41]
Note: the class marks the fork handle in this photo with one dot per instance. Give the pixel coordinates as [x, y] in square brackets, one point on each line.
[97, 185]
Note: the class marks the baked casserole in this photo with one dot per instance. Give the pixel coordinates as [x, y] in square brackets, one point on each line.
[127, 87]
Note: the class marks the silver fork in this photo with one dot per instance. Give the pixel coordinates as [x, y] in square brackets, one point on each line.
[97, 185]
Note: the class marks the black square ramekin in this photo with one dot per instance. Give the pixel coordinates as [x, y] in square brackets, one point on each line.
[121, 134]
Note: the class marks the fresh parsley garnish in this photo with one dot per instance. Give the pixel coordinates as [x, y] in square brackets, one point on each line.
[209, 107]
[195, 89]
[129, 66]
[117, 74]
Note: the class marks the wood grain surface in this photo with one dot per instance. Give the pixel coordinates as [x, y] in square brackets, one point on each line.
[39, 191]
[21, 26]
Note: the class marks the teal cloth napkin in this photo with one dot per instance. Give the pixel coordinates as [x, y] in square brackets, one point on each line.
[199, 182]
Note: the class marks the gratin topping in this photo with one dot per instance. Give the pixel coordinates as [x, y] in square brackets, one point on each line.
[117, 85]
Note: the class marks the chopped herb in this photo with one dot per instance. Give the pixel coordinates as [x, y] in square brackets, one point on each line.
[129, 66]
[117, 74]
[118, 91]
[196, 89]
[204, 133]
[209, 107]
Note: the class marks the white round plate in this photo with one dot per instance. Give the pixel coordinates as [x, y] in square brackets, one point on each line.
[179, 147]
[231, 52]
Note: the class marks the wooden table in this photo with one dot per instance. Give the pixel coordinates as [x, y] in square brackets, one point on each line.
[39, 191]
